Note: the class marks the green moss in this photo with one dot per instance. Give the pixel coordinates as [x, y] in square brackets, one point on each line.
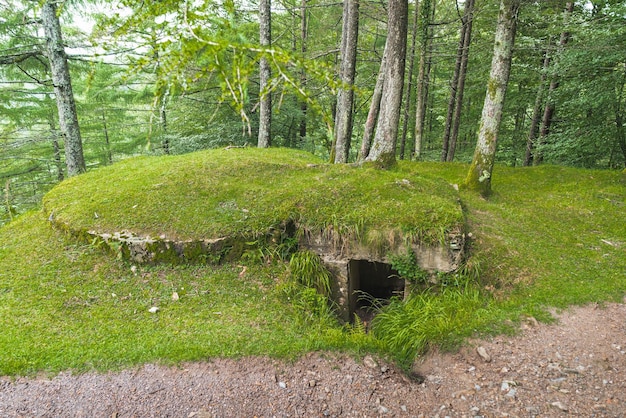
[248, 193]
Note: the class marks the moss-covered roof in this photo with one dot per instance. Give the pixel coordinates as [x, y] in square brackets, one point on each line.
[247, 192]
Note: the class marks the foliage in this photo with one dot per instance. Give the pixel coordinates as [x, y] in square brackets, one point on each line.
[307, 269]
[408, 268]
[408, 328]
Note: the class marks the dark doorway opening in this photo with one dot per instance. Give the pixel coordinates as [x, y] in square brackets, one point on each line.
[371, 283]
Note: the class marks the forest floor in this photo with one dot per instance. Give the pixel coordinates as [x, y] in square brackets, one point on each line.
[574, 367]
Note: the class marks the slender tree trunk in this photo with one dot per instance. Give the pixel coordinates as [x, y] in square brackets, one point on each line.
[456, 121]
[68, 118]
[345, 96]
[163, 119]
[423, 75]
[265, 74]
[453, 91]
[534, 121]
[620, 135]
[481, 169]
[303, 81]
[372, 115]
[383, 150]
[107, 143]
[548, 113]
[409, 77]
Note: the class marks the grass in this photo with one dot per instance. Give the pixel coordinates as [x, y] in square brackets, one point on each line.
[247, 192]
[70, 306]
[548, 237]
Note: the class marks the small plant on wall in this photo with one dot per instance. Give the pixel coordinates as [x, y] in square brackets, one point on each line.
[408, 268]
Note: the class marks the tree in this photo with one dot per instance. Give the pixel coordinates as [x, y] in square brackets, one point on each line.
[345, 96]
[427, 11]
[265, 75]
[383, 150]
[59, 68]
[481, 168]
[457, 86]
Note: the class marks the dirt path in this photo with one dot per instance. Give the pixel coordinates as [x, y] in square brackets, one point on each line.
[574, 368]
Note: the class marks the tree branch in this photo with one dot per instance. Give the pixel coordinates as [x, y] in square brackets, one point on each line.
[17, 58]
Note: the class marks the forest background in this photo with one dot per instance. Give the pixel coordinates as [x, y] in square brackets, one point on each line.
[172, 77]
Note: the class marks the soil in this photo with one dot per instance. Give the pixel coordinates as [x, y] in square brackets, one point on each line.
[576, 367]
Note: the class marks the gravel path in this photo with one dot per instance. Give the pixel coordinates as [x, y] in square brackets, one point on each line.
[574, 368]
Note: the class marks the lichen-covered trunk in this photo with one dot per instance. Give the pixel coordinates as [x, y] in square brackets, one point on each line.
[480, 171]
[345, 96]
[383, 150]
[59, 68]
[265, 74]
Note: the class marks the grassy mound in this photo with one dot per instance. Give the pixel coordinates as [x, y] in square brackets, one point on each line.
[248, 192]
[548, 237]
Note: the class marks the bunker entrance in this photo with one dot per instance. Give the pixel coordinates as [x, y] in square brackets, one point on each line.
[371, 283]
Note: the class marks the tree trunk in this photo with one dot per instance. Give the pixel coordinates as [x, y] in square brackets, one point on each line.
[68, 119]
[456, 121]
[620, 135]
[372, 115]
[303, 44]
[534, 121]
[453, 91]
[423, 75]
[345, 96]
[548, 113]
[383, 150]
[481, 169]
[265, 74]
[107, 143]
[409, 77]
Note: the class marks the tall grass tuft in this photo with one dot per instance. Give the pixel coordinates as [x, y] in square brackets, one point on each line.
[307, 269]
[407, 328]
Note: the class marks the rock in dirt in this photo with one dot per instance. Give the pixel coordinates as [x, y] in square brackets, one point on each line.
[482, 352]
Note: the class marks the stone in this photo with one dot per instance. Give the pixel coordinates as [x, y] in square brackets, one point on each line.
[560, 406]
[482, 352]
[370, 362]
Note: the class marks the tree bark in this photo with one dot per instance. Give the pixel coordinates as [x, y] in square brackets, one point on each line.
[383, 150]
[548, 113]
[265, 74]
[68, 118]
[409, 77]
[467, 39]
[481, 168]
[534, 121]
[423, 75]
[372, 115]
[345, 96]
[303, 80]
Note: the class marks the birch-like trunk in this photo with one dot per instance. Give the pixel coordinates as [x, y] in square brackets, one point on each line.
[481, 169]
[383, 150]
[345, 96]
[59, 68]
[265, 74]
